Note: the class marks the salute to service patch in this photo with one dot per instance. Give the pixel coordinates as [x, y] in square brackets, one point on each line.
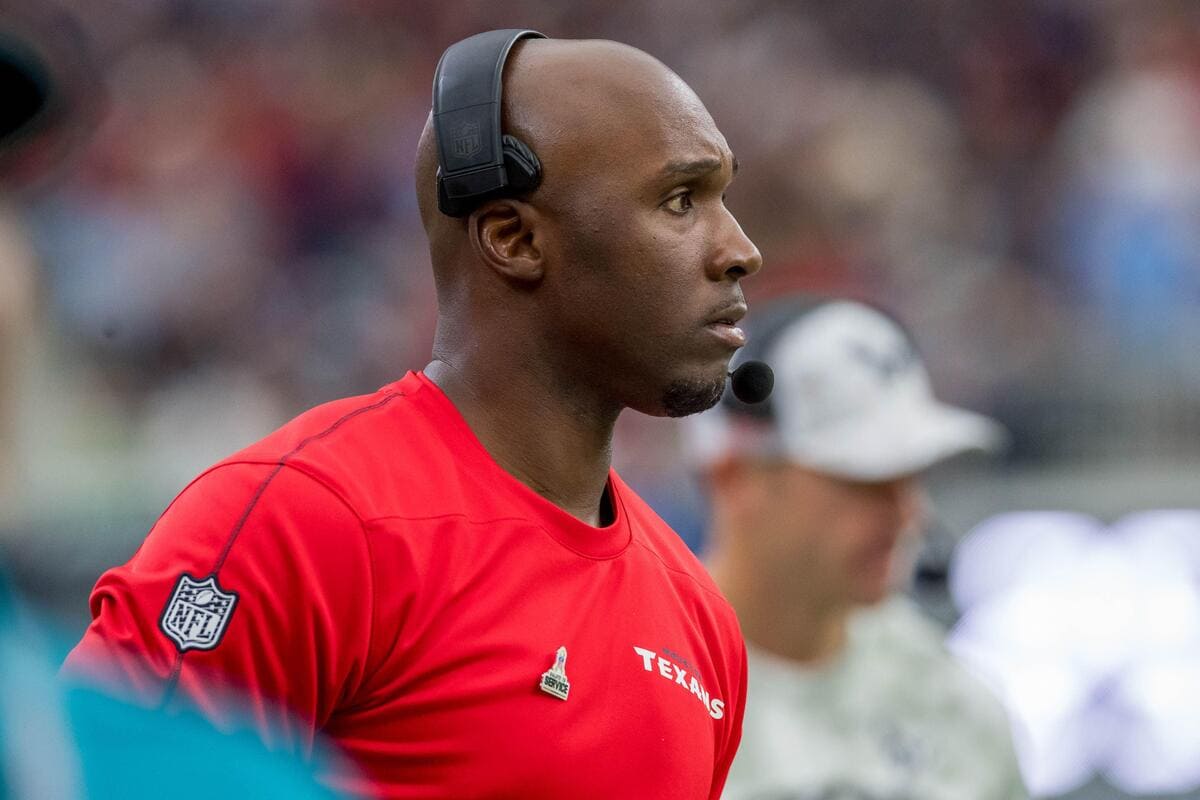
[554, 680]
[197, 613]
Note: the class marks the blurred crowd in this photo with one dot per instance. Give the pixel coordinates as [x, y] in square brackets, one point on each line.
[233, 235]
[229, 235]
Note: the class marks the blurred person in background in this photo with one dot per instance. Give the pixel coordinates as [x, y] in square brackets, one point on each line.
[816, 503]
[60, 741]
[39, 114]
[1125, 239]
[971, 165]
[446, 576]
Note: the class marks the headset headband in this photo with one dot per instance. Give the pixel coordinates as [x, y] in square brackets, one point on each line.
[466, 119]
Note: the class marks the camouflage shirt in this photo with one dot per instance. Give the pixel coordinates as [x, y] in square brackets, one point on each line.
[893, 718]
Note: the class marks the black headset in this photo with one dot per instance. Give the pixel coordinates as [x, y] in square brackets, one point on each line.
[476, 161]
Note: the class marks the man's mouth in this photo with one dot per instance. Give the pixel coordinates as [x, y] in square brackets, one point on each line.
[728, 332]
[724, 324]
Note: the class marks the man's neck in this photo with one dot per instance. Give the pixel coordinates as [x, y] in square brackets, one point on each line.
[555, 445]
[776, 620]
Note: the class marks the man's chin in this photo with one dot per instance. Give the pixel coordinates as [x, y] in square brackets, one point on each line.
[688, 396]
[870, 596]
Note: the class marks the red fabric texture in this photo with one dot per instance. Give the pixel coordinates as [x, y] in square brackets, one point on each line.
[401, 594]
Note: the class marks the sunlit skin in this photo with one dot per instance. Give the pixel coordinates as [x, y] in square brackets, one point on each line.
[796, 551]
[616, 284]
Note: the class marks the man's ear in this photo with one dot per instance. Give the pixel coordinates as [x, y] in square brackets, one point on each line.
[504, 234]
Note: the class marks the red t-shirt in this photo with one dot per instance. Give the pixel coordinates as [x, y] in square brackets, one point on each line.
[369, 573]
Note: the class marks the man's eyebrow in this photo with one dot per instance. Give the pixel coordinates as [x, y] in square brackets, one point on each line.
[692, 168]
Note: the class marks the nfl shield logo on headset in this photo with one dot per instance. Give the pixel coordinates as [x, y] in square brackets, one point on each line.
[467, 141]
[197, 613]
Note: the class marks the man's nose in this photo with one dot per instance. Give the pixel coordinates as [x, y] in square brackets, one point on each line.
[737, 257]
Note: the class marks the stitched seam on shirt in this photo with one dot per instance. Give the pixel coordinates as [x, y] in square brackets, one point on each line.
[300, 469]
[237, 529]
[527, 520]
[367, 674]
[683, 572]
[447, 515]
[177, 669]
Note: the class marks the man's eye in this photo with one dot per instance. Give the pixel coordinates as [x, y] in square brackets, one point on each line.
[680, 203]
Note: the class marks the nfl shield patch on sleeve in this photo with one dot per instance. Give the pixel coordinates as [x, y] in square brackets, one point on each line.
[197, 613]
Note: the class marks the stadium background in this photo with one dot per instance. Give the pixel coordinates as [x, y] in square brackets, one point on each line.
[233, 238]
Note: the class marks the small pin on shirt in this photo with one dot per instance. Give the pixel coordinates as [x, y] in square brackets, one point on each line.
[554, 680]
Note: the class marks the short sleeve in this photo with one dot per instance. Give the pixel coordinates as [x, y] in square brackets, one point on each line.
[251, 596]
[724, 759]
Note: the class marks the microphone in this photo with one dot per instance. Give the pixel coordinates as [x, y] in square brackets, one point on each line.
[752, 382]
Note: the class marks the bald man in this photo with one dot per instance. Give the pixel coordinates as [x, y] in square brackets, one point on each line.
[446, 576]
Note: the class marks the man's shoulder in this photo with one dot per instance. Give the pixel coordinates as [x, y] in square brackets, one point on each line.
[369, 451]
[662, 544]
[348, 423]
[381, 453]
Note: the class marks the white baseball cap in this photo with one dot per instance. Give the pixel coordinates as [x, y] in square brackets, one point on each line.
[852, 399]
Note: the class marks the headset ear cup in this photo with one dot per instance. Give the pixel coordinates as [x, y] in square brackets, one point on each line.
[523, 167]
[524, 174]
[446, 204]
